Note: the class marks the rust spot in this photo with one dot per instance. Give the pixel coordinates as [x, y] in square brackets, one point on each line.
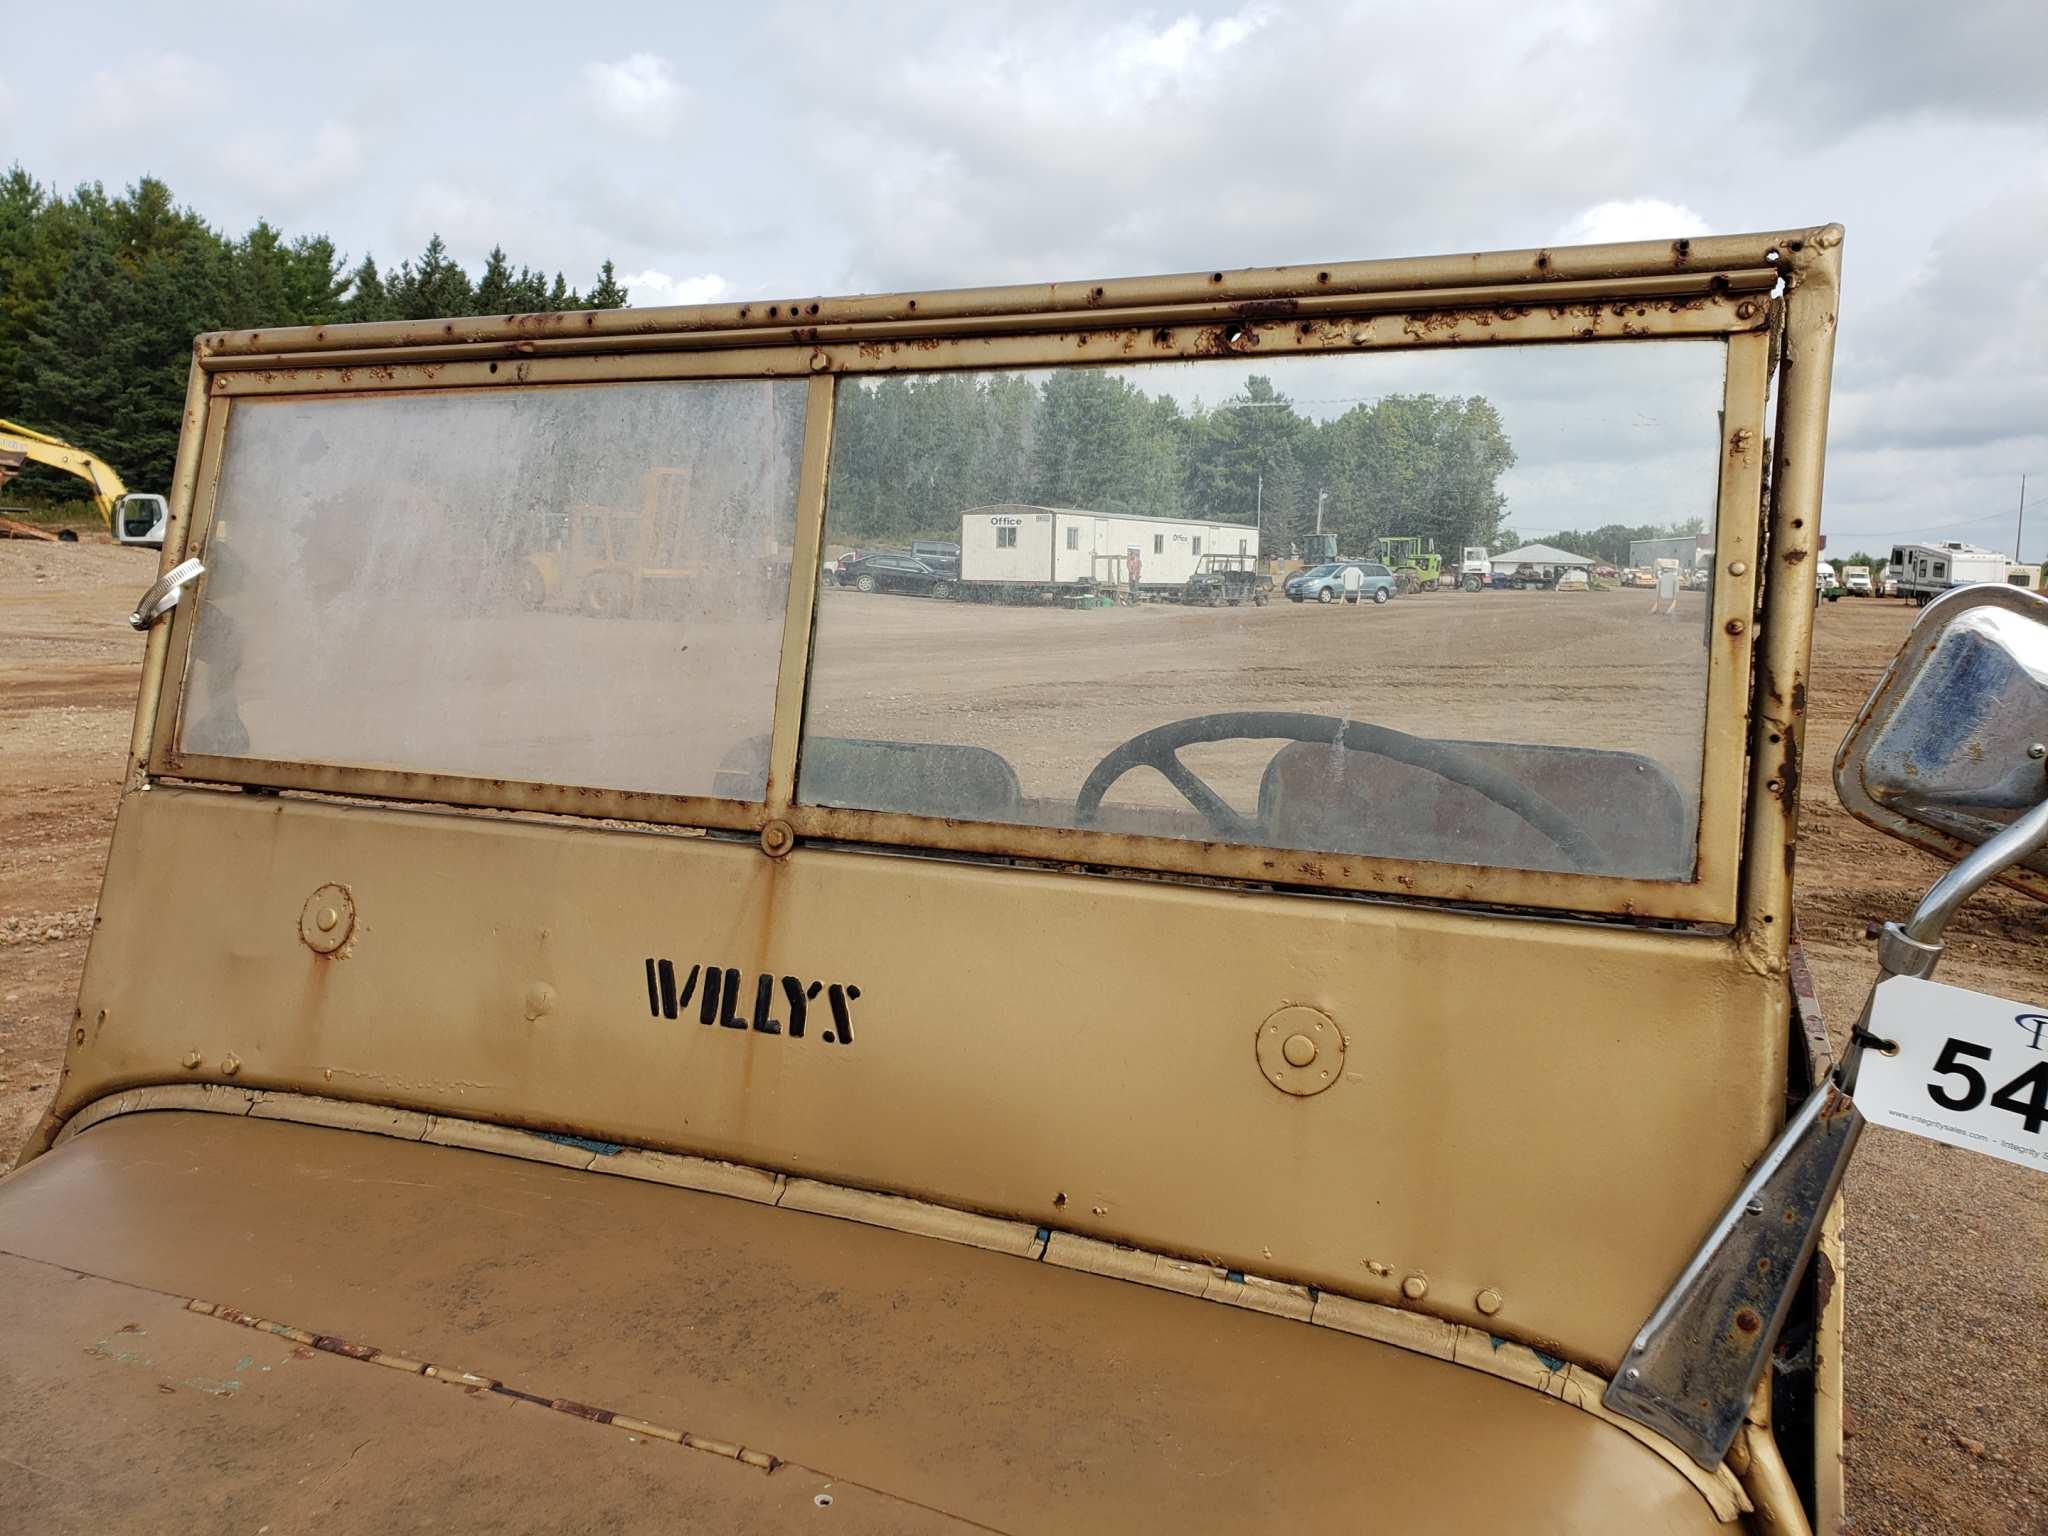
[1792, 556]
[334, 1346]
[1162, 337]
[581, 1410]
[1267, 309]
[1681, 251]
[1823, 1280]
[1747, 1320]
[1095, 295]
[1543, 261]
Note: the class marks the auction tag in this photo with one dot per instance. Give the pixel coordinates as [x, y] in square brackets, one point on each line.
[1971, 1070]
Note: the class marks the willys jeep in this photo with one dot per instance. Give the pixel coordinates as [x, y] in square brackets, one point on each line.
[781, 1063]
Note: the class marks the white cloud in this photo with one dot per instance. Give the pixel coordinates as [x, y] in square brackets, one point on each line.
[287, 179]
[637, 94]
[650, 288]
[1637, 218]
[163, 89]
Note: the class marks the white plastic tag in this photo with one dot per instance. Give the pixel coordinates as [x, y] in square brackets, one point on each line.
[1971, 1070]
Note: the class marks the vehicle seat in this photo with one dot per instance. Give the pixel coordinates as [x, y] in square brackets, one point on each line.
[921, 778]
[1326, 798]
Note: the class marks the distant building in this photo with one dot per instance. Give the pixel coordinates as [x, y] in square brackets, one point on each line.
[1643, 554]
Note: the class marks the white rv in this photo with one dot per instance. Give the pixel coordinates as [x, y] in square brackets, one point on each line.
[1021, 550]
[1928, 570]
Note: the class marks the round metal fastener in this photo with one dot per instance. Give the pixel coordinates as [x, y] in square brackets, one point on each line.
[2037, 750]
[820, 362]
[1300, 1050]
[1415, 1287]
[1487, 1301]
[1736, 567]
[777, 838]
[230, 1064]
[327, 919]
[192, 1060]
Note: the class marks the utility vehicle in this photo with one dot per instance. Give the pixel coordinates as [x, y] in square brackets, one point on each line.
[794, 1067]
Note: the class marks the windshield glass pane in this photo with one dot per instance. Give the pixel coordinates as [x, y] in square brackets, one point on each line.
[1082, 668]
[574, 585]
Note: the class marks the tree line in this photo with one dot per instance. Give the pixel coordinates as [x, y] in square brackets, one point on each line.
[909, 453]
[101, 296]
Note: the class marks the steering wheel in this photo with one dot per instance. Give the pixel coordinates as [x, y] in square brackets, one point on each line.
[1160, 749]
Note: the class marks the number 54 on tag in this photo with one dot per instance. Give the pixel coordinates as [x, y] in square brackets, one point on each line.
[1971, 1070]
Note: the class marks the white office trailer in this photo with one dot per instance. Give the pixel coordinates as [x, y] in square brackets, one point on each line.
[1928, 570]
[1035, 550]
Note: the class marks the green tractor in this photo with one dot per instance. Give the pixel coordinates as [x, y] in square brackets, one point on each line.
[1416, 565]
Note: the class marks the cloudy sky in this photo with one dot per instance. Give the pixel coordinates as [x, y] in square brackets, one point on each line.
[775, 148]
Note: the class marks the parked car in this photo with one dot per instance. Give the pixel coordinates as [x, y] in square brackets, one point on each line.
[1572, 580]
[1856, 581]
[900, 573]
[1325, 583]
[936, 549]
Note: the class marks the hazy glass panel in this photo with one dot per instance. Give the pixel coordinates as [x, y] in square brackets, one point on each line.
[580, 585]
[1027, 571]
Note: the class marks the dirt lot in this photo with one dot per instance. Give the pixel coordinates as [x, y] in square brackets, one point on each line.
[1948, 1276]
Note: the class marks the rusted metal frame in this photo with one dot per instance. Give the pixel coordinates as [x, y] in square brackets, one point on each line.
[1688, 903]
[156, 652]
[465, 790]
[1532, 268]
[1792, 544]
[165, 703]
[1718, 315]
[1288, 868]
[793, 673]
[1318, 306]
[1731, 633]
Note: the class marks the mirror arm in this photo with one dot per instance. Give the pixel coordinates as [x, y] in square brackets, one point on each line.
[1691, 1370]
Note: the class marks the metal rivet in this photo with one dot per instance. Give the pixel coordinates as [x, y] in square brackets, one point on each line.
[1736, 626]
[1415, 1287]
[1633, 1374]
[2037, 751]
[1755, 1207]
[327, 918]
[1737, 567]
[231, 1064]
[1488, 1301]
[192, 1060]
[1299, 1050]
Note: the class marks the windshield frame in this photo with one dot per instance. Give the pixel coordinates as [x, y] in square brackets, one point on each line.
[1597, 296]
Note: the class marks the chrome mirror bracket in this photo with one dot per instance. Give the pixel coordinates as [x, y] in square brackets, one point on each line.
[164, 593]
[1694, 1364]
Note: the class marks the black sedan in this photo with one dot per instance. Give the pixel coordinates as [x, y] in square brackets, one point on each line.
[900, 573]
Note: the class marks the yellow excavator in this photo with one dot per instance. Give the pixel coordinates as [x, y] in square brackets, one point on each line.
[132, 519]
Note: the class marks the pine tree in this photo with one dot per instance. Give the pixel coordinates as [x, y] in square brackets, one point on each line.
[367, 298]
[608, 294]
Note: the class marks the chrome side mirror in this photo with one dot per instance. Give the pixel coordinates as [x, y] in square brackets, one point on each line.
[1950, 754]
[139, 518]
[1953, 745]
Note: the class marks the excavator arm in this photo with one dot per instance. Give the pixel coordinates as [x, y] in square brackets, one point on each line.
[20, 445]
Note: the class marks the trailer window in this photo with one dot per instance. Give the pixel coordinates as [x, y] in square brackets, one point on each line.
[1006, 538]
[578, 585]
[999, 701]
[1073, 538]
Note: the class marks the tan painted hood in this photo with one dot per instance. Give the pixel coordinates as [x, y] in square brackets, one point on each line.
[394, 1335]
